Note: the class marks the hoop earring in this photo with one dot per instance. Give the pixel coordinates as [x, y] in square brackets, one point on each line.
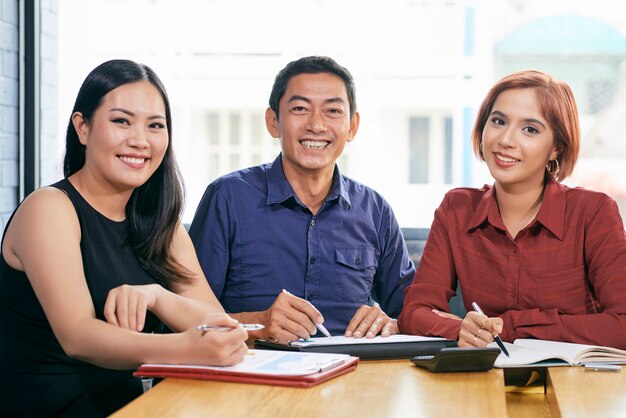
[553, 167]
[481, 149]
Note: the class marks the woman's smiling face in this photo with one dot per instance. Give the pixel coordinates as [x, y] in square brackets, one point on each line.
[517, 141]
[127, 136]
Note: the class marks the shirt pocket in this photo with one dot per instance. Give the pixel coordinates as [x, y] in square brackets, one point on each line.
[355, 266]
[565, 291]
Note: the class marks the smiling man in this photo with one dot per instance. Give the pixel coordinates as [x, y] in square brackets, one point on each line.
[294, 244]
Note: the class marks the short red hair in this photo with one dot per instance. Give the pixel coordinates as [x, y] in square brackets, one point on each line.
[557, 105]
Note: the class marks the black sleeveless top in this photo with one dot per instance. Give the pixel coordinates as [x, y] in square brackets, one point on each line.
[37, 378]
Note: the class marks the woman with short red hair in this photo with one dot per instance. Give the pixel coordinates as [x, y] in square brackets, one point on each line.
[542, 260]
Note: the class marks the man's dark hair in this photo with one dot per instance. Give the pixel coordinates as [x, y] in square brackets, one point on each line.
[311, 65]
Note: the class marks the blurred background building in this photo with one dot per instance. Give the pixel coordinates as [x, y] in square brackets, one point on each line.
[421, 67]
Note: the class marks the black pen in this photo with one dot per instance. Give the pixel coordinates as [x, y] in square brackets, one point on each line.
[495, 337]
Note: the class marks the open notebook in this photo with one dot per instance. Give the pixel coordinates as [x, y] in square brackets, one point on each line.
[529, 352]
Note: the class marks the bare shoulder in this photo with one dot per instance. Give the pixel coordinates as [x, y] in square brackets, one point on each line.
[45, 204]
[46, 214]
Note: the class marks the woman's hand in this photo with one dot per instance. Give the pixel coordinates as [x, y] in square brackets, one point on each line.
[477, 330]
[126, 305]
[217, 347]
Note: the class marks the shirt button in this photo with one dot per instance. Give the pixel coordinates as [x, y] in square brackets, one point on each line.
[312, 222]
[312, 260]
[357, 261]
[308, 297]
[514, 250]
[512, 293]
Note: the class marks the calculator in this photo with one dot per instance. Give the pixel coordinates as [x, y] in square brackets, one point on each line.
[458, 359]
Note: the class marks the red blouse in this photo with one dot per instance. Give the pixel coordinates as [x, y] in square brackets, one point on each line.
[562, 278]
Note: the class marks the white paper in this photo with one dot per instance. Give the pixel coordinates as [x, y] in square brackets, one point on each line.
[342, 340]
[275, 363]
[526, 352]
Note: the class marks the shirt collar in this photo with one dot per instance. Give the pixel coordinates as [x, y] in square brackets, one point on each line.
[551, 214]
[279, 189]
[339, 190]
[552, 211]
[487, 209]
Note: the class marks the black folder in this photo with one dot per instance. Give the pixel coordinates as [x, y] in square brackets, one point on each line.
[372, 350]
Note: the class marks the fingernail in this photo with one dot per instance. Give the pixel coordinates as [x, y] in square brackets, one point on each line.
[320, 320]
[348, 333]
[357, 334]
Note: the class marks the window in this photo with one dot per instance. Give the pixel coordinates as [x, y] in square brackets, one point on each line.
[600, 93]
[225, 149]
[419, 138]
[434, 60]
[430, 149]
[235, 128]
[213, 129]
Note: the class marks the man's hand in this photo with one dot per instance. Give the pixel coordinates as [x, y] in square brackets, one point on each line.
[369, 321]
[290, 318]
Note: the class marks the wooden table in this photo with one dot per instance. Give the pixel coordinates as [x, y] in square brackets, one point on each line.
[392, 388]
[574, 392]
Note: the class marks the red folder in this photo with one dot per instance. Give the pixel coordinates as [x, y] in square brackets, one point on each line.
[203, 373]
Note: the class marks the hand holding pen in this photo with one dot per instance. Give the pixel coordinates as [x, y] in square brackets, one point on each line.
[477, 330]
[495, 336]
[290, 318]
[219, 340]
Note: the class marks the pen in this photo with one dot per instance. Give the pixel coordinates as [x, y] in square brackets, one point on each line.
[323, 329]
[323, 367]
[495, 337]
[603, 367]
[247, 327]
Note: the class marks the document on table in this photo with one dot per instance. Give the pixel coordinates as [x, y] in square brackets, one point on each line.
[342, 340]
[275, 363]
[279, 368]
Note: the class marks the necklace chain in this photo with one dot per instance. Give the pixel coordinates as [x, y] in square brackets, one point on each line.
[533, 213]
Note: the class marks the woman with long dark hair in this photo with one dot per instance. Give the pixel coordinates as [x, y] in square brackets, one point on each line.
[95, 267]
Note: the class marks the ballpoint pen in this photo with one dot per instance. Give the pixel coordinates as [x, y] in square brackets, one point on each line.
[323, 329]
[247, 327]
[495, 337]
[323, 367]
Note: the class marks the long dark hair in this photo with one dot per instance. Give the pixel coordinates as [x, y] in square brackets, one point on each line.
[154, 208]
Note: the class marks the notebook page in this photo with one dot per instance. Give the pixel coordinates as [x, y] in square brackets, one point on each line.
[523, 356]
[578, 353]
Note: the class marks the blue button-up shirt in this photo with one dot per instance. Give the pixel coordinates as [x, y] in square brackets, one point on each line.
[254, 237]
